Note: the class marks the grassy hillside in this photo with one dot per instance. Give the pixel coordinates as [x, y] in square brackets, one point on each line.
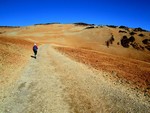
[83, 36]
[14, 54]
[121, 51]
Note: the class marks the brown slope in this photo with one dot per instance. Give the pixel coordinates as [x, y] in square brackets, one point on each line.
[14, 54]
[129, 71]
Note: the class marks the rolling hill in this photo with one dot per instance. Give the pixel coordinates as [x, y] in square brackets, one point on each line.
[121, 52]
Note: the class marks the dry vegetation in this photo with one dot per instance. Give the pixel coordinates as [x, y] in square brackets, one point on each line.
[13, 55]
[128, 65]
[129, 71]
[14, 50]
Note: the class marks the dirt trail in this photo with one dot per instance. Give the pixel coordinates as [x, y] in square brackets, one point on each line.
[53, 83]
[38, 89]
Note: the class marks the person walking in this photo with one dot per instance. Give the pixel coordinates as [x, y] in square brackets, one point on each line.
[35, 48]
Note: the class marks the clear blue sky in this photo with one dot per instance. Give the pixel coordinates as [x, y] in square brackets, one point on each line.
[132, 13]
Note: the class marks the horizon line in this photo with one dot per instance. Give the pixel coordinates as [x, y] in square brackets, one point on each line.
[50, 23]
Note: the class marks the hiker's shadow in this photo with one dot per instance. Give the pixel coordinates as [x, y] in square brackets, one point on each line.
[33, 56]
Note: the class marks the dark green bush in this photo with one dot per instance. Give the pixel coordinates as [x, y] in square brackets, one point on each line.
[132, 33]
[140, 29]
[141, 35]
[131, 39]
[125, 42]
[146, 41]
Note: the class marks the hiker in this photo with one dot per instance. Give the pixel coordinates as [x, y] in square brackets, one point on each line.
[35, 48]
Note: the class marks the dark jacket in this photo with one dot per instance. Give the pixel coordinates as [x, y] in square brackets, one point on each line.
[35, 48]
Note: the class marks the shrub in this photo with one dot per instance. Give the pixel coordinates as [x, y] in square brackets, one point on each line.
[120, 31]
[107, 43]
[112, 26]
[147, 47]
[137, 46]
[131, 39]
[110, 41]
[125, 37]
[132, 33]
[146, 41]
[112, 38]
[141, 35]
[124, 27]
[90, 27]
[142, 47]
[125, 42]
[140, 29]
[83, 24]
[9, 26]
[47, 23]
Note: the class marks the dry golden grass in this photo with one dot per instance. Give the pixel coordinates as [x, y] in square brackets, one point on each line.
[127, 66]
[16, 41]
[14, 54]
[133, 72]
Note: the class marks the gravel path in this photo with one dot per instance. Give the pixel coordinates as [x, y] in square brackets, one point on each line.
[38, 90]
